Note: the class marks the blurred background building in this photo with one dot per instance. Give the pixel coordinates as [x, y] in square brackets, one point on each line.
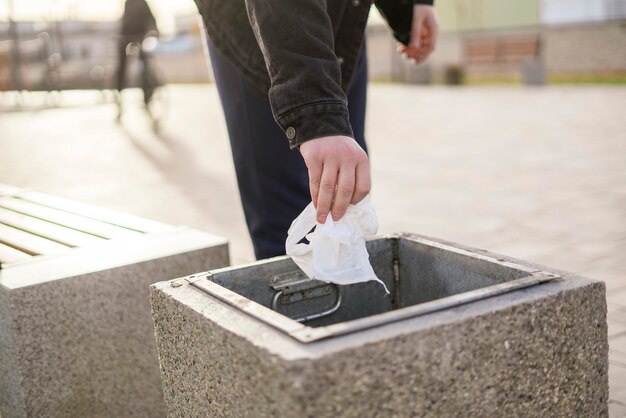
[61, 45]
[530, 40]
[67, 44]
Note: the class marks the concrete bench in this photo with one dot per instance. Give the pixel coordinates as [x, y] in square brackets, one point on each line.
[76, 334]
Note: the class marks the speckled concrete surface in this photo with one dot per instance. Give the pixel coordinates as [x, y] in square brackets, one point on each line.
[11, 400]
[538, 352]
[83, 346]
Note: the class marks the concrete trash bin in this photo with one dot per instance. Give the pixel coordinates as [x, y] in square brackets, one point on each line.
[464, 333]
[76, 333]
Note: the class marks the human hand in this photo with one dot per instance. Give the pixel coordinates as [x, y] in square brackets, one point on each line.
[339, 174]
[424, 31]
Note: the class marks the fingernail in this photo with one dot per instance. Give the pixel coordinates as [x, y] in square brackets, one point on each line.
[321, 218]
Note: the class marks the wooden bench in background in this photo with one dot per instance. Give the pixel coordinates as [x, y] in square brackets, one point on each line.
[506, 51]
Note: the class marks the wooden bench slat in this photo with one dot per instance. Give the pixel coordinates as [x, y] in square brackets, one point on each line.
[507, 49]
[527, 50]
[9, 255]
[54, 232]
[28, 243]
[103, 215]
[68, 220]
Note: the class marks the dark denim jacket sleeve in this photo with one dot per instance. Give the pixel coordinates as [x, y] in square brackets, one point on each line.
[296, 38]
[399, 16]
[305, 93]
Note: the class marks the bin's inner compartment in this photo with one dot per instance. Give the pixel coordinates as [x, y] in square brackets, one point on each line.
[414, 271]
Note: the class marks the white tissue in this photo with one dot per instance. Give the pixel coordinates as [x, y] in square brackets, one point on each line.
[336, 251]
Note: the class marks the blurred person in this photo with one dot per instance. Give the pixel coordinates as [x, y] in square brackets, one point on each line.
[137, 23]
[298, 69]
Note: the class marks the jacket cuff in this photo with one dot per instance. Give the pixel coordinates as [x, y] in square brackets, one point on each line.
[315, 121]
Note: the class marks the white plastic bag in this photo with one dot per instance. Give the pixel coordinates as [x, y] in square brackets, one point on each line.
[336, 250]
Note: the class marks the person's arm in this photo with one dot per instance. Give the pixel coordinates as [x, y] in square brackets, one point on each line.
[296, 38]
[424, 31]
[334, 161]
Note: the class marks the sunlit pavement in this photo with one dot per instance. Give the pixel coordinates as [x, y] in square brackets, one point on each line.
[535, 173]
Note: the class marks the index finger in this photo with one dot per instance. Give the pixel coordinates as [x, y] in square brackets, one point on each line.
[326, 191]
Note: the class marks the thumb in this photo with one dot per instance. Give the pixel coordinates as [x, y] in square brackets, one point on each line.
[416, 31]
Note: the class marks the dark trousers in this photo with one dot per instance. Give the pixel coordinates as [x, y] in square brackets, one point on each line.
[120, 76]
[273, 180]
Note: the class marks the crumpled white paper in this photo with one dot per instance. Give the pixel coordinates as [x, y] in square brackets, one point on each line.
[336, 250]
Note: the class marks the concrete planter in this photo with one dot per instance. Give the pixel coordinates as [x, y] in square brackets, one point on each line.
[464, 333]
[76, 334]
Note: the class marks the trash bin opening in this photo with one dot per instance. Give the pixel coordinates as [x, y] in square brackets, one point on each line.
[423, 276]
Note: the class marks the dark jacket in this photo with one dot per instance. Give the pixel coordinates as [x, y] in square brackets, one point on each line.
[302, 52]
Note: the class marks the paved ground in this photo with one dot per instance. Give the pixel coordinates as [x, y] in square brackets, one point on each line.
[539, 174]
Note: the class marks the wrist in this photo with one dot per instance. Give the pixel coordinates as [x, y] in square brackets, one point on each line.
[315, 121]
